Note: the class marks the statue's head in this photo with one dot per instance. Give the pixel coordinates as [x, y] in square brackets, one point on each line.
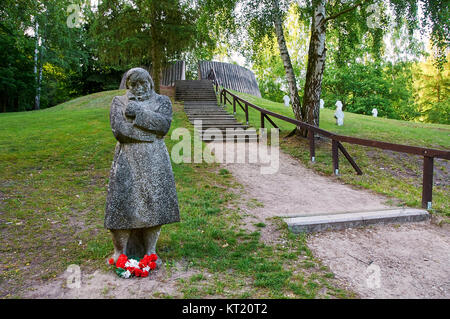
[139, 83]
[338, 105]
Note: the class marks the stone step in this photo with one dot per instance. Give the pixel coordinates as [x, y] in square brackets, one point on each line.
[209, 113]
[317, 223]
[212, 117]
[201, 101]
[209, 135]
[208, 117]
[238, 140]
[203, 108]
[192, 96]
[206, 113]
[241, 130]
[213, 120]
[223, 126]
[218, 122]
[196, 92]
[206, 134]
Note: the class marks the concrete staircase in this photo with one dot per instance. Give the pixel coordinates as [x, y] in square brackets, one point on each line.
[200, 104]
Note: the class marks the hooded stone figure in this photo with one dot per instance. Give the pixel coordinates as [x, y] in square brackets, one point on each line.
[141, 193]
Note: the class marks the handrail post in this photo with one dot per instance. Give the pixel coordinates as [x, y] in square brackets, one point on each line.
[221, 96]
[312, 146]
[335, 156]
[427, 183]
[262, 120]
[234, 105]
[349, 158]
[246, 113]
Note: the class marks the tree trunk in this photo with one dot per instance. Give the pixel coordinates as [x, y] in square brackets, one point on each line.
[40, 78]
[156, 69]
[156, 51]
[290, 76]
[316, 64]
[36, 61]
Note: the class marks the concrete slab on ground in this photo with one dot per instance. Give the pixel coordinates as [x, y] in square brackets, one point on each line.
[317, 223]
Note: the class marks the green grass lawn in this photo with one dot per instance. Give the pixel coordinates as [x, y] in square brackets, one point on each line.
[54, 169]
[395, 175]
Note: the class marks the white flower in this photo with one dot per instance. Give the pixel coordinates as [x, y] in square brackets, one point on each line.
[132, 263]
[126, 274]
[147, 269]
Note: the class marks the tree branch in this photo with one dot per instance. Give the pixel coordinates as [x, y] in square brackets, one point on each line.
[334, 16]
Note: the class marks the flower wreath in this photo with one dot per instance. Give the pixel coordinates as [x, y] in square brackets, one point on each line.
[127, 268]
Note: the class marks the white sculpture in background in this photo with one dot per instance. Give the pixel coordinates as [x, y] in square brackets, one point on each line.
[322, 104]
[339, 115]
[286, 100]
[375, 112]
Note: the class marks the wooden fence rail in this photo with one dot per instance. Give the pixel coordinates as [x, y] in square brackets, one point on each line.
[336, 140]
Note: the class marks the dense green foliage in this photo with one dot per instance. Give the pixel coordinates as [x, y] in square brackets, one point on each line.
[42, 56]
[85, 49]
[364, 87]
[366, 67]
[55, 50]
[143, 32]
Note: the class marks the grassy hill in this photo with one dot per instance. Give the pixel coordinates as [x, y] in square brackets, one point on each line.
[396, 175]
[54, 169]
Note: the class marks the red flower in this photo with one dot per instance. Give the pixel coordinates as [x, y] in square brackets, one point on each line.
[144, 274]
[121, 261]
[132, 270]
[111, 261]
[137, 272]
[143, 263]
[153, 257]
[152, 265]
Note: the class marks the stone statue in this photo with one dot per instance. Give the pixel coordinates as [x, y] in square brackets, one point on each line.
[322, 104]
[339, 115]
[374, 112]
[141, 193]
[286, 100]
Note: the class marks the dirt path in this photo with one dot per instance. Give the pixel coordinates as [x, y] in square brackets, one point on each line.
[396, 261]
[412, 260]
[161, 283]
[295, 190]
[392, 261]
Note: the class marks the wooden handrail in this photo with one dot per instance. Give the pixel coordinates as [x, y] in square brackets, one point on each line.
[428, 153]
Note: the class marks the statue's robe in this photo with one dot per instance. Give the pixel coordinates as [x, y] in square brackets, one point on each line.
[141, 192]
